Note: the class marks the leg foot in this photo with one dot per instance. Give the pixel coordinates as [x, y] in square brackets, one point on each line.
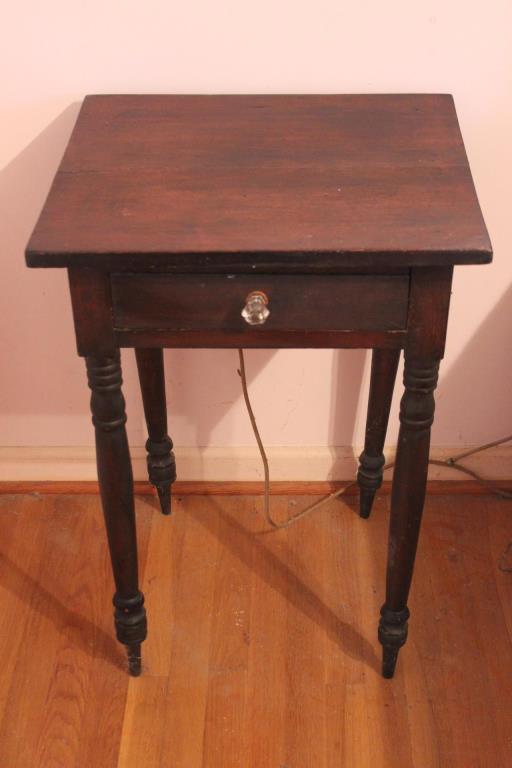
[164, 497]
[371, 461]
[366, 497]
[162, 470]
[389, 659]
[369, 478]
[161, 461]
[392, 635]
[134, 660]
[131, 627]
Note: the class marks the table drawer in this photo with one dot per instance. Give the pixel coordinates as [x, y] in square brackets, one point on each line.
[181, 303]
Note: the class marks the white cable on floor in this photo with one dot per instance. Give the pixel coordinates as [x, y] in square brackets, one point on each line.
[451, 463]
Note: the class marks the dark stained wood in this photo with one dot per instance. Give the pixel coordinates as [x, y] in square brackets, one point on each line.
[161, 460]
[92, 310]
[349, 212]
[188, 303]
[264, 339]
[116, 488]
[429, 304]
[430, 297]
[360, 180]
[371, 461]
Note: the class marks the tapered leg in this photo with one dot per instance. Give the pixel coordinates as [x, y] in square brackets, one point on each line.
[116, 487]
[407, 499]
[371, 461]
[161, 461]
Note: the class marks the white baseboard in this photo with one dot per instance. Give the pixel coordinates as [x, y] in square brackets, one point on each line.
[213, 463]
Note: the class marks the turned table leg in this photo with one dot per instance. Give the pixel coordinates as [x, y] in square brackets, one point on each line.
[161, 461]
[408, 495]
[429, 300]
[371, 461]
[116, 487]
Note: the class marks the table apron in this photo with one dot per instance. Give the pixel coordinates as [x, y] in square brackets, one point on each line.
[353, 310]
[264, 339]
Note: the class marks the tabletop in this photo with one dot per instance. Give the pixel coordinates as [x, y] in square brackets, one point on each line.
[342, 180]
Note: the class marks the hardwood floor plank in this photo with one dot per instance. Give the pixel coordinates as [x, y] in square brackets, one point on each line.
[500, 543]
[460, 629]
[177, 724]
[306, 618]
[182, 744]
[146, 703]
[109, 683]
[393, 742]
[267, 675]
[35, 623]
[225, 735]
[17, 585]
[67, 554]
[66, 655]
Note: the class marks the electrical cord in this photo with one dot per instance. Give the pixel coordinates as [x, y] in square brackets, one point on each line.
[451, 463]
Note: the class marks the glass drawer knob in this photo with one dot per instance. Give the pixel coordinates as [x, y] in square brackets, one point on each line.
[256, 310]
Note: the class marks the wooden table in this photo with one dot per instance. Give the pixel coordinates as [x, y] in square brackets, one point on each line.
[262, 221]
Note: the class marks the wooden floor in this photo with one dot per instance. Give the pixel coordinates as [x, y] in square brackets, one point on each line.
[262, 647]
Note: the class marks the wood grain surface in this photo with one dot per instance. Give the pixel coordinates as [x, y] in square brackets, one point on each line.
[357, 180]
[205, 303]
[262, 648]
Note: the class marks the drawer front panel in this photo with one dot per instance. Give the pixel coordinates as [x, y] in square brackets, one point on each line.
[181, 303]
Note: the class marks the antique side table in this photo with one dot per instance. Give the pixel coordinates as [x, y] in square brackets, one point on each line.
[262, 221]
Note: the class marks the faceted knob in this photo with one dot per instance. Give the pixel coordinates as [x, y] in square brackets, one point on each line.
[256, 311]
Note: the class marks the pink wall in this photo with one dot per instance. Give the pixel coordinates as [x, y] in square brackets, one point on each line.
[53, 53]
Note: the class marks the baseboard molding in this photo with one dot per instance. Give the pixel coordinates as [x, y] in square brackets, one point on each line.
[239, 488]
[300, 466]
